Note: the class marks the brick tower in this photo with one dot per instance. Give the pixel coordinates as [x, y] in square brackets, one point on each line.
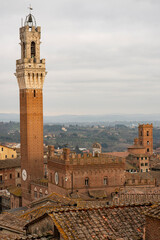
[30, 73]
[146, 137]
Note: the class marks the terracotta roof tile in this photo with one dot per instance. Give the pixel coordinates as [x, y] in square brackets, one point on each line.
[100, 223]
[154, 211]
[12, 222]
[10, 163]
[48, 203]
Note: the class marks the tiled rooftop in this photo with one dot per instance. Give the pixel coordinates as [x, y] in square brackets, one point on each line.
[5, 236]
[53, 198]
[154, 211]
[45, 204]
[103, 223]
[12, 223]
[10, 163]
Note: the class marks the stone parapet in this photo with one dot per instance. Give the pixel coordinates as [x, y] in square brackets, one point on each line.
[135, 198]
[87, 159]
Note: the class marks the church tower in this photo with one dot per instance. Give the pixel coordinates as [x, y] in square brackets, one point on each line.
[30, 73]
[146, 137]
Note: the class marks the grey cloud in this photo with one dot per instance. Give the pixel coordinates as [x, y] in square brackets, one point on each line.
[102, 56]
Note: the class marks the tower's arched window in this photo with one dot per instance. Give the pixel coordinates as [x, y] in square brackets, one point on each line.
[86, 181]
[33, 49]
[24, 49]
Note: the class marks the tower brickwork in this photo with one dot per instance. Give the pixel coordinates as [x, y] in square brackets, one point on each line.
[30, 73]
[146, 137]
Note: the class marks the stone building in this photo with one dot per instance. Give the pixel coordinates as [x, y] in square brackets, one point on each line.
[140, 161]
[70, 173]
[144, 143]
[10, 173]
[146, 137]
[140, 152]
[7, 153]
[30, 73]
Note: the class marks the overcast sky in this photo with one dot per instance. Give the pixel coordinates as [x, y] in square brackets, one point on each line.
[102, 56]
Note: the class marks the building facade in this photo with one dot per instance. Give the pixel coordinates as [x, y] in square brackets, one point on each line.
[7, 153]
[10, 173]
[140, 152]
[30, 73]
[146, 137]
[72, 173]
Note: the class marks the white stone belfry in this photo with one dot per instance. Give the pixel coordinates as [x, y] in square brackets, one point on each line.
[30, 70]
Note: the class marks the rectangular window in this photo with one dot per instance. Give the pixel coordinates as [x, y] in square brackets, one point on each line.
[0, 178]
[12, 156]
[147, 142]
[145, 158]
[105, 181]
[146, 164]
[147, 149]
[35, 194]
[2, 149]
[10, 175]
[142, 164]
[18, 175]
[141, 158]
[5, 156]
[137, 158]
[147, 133]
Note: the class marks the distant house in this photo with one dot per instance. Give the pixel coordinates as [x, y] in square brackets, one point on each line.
[7, 153]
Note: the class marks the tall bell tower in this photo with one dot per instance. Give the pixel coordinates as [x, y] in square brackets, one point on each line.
[30, 73]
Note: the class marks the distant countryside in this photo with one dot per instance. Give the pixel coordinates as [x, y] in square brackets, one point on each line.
[112, 138]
